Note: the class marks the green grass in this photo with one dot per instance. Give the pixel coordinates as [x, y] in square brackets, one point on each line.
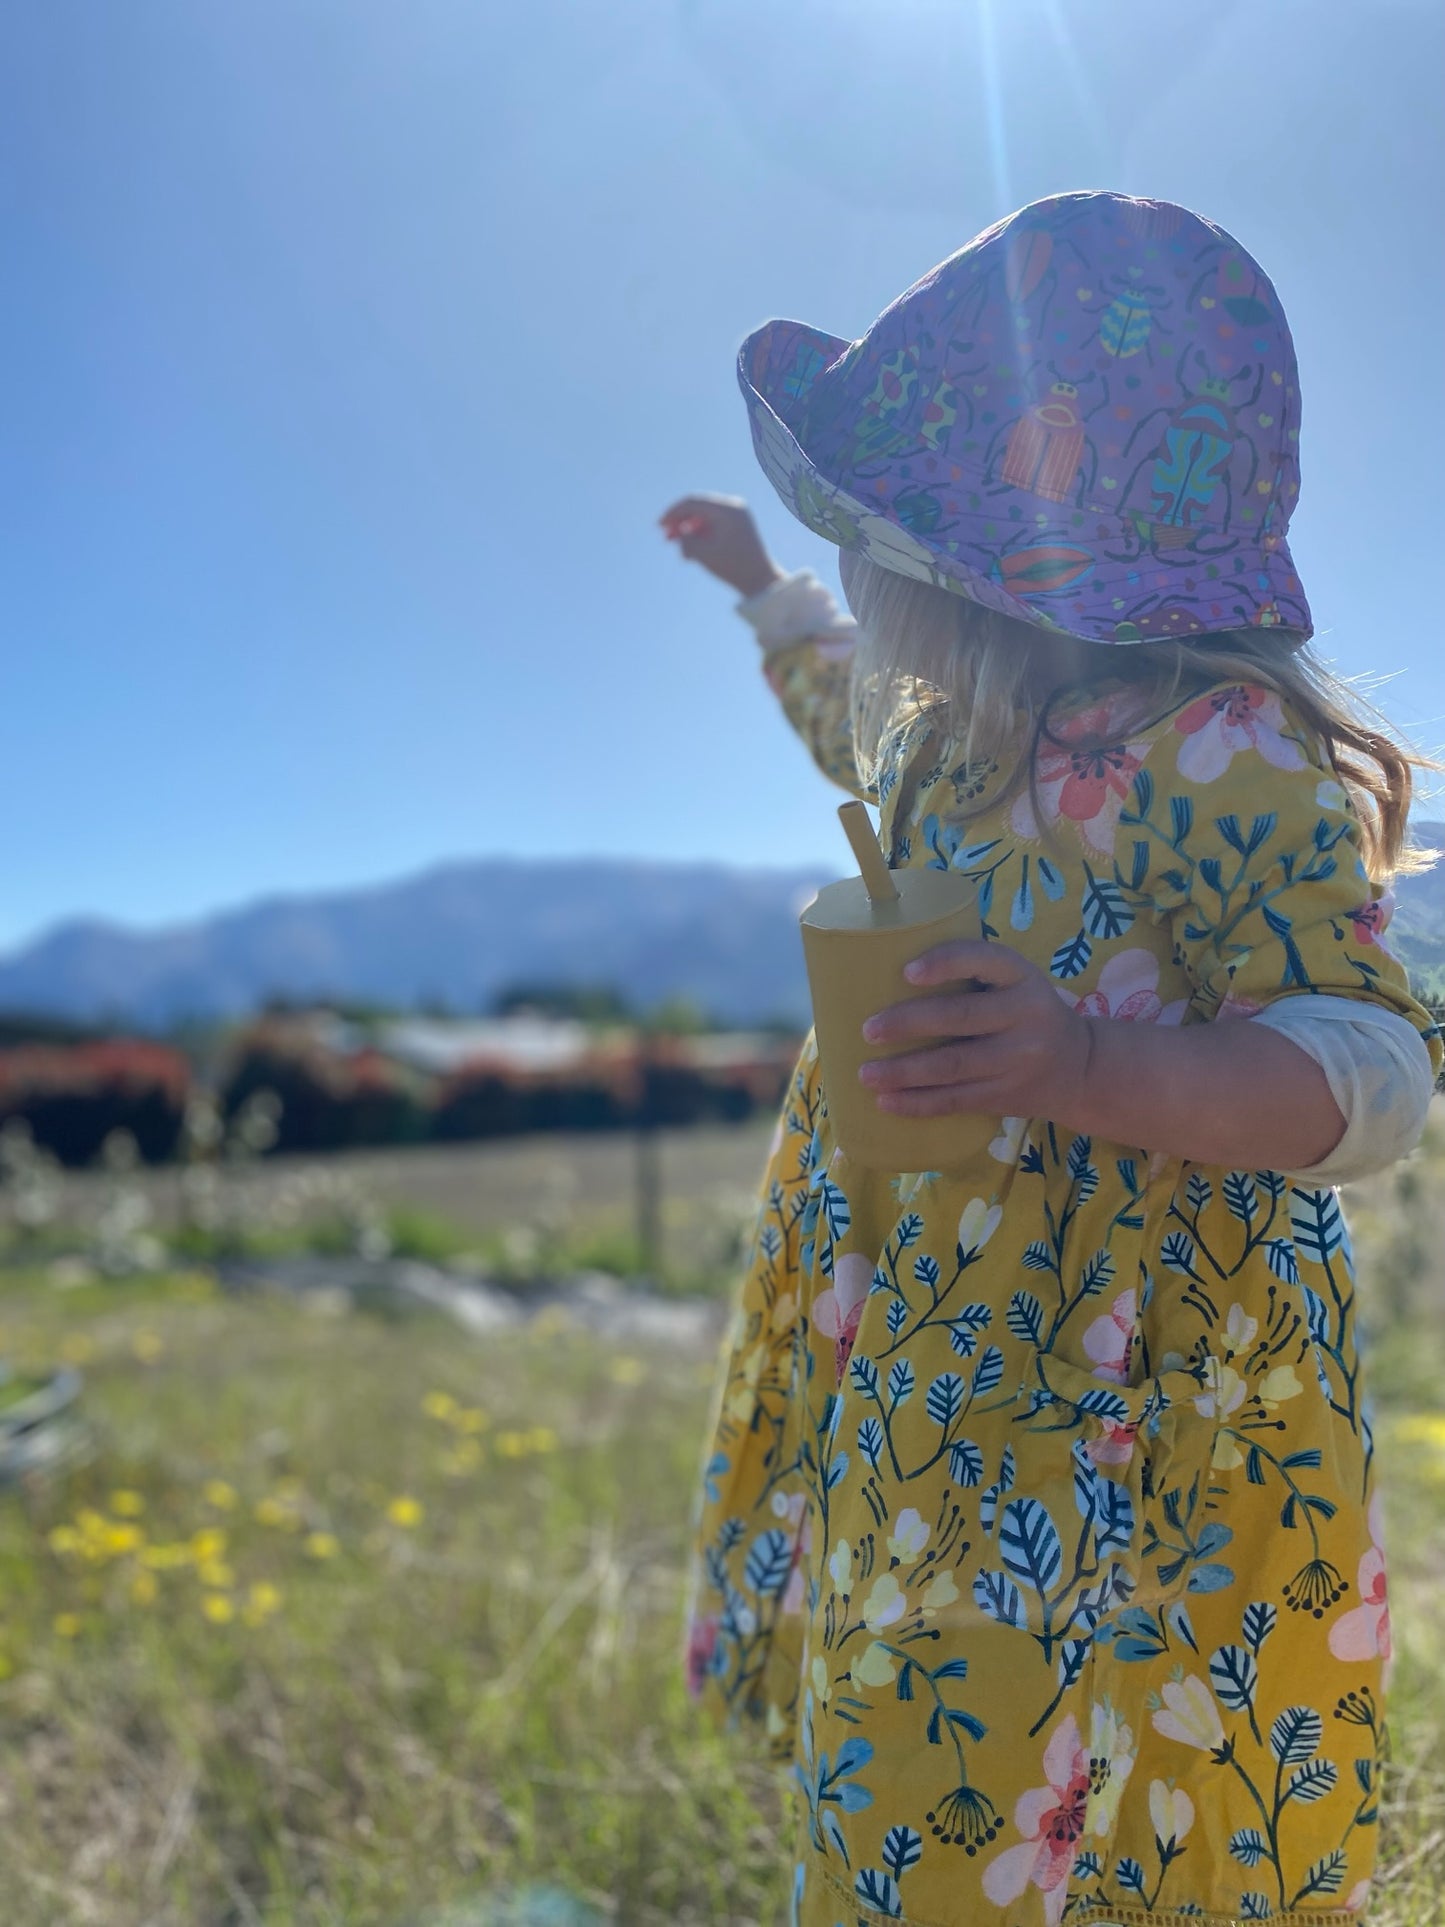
[434, 1700]
[449, 1702]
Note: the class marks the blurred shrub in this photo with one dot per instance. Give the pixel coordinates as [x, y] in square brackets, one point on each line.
[73, 1097]
[314, 1096]
[327, 1102]
[657, 1082]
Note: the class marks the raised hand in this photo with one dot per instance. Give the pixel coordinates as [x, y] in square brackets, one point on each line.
[718, 532]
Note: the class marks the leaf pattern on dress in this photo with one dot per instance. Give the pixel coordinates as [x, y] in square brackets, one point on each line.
[1018, 1474]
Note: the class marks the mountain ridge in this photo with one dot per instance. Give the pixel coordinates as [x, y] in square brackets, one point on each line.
[462, 930]
[457, 932]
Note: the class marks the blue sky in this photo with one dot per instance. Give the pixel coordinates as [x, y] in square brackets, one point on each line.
[353, 346]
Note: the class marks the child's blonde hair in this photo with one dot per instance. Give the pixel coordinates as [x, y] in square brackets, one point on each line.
[924, 651]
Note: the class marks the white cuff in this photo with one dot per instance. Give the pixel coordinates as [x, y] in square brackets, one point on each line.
[1379, 1074]
[795, 609]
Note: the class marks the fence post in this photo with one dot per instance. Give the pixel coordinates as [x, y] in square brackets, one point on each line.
[647, 1164]
[648, 1197]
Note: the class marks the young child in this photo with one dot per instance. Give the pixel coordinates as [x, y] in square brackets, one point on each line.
[1038, 1525]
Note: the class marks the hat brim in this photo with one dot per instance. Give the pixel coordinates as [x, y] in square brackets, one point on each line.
[1082, 567]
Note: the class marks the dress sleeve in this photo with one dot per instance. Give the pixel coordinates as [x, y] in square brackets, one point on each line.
[808, 644]
[1240, 834]
[1379, 1072]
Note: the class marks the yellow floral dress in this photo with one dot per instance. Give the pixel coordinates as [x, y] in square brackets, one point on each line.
[1037, 1527]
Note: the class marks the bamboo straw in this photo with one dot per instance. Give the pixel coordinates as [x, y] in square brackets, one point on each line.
[877, 878]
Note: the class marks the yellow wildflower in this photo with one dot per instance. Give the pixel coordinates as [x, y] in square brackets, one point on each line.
[126, 1504]
[148, 1347]
[542, 1439]
[322, 1545]
[208, 1543]
[120, 1540]
[218, 1608]
[262, 1600]
[465, 1457]
[1422, 1428]
[512, 1445]
[404, 1511]
[67, 1625]
[627, 1371]
[471, 1419]
[218, 1494]
[439, 1405]
[166, 1557]
[64, 1540]
[215, 1572]
[277, 1512]
[94, 1532]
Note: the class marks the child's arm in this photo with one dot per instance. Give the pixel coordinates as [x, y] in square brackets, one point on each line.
[807, 642]
[1226, 1093]
[1238, 836]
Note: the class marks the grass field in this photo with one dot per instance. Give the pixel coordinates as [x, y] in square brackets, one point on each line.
[353, 1620]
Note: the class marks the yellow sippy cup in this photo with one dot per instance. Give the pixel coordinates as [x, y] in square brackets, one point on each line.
[857, 936]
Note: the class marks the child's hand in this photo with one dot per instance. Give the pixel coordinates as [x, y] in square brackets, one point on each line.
[718, 532]
[1011, 1045]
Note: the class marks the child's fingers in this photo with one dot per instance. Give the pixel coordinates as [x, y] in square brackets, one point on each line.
[969, 1060]
[944, 1100]
[684, 522]
[707, 507]
[950, 1014]
[989, 963]
[685, 505]
[918, 1069]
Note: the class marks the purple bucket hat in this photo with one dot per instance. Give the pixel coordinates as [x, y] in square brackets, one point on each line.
[1088, 418]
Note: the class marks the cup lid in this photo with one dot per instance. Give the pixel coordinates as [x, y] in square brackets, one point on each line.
[923, 896]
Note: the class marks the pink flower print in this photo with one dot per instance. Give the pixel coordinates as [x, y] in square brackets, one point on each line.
[1235, 1006]
[1051, 1819]
[701, 1644]
[1109, 1341]
[1115, 1444]
[1087, 784]
[792, 1599]
[788, 1508]
[1364, 1631]
[1372, 920]
[838, 1311]
[1128, 988]
[1217, 727]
